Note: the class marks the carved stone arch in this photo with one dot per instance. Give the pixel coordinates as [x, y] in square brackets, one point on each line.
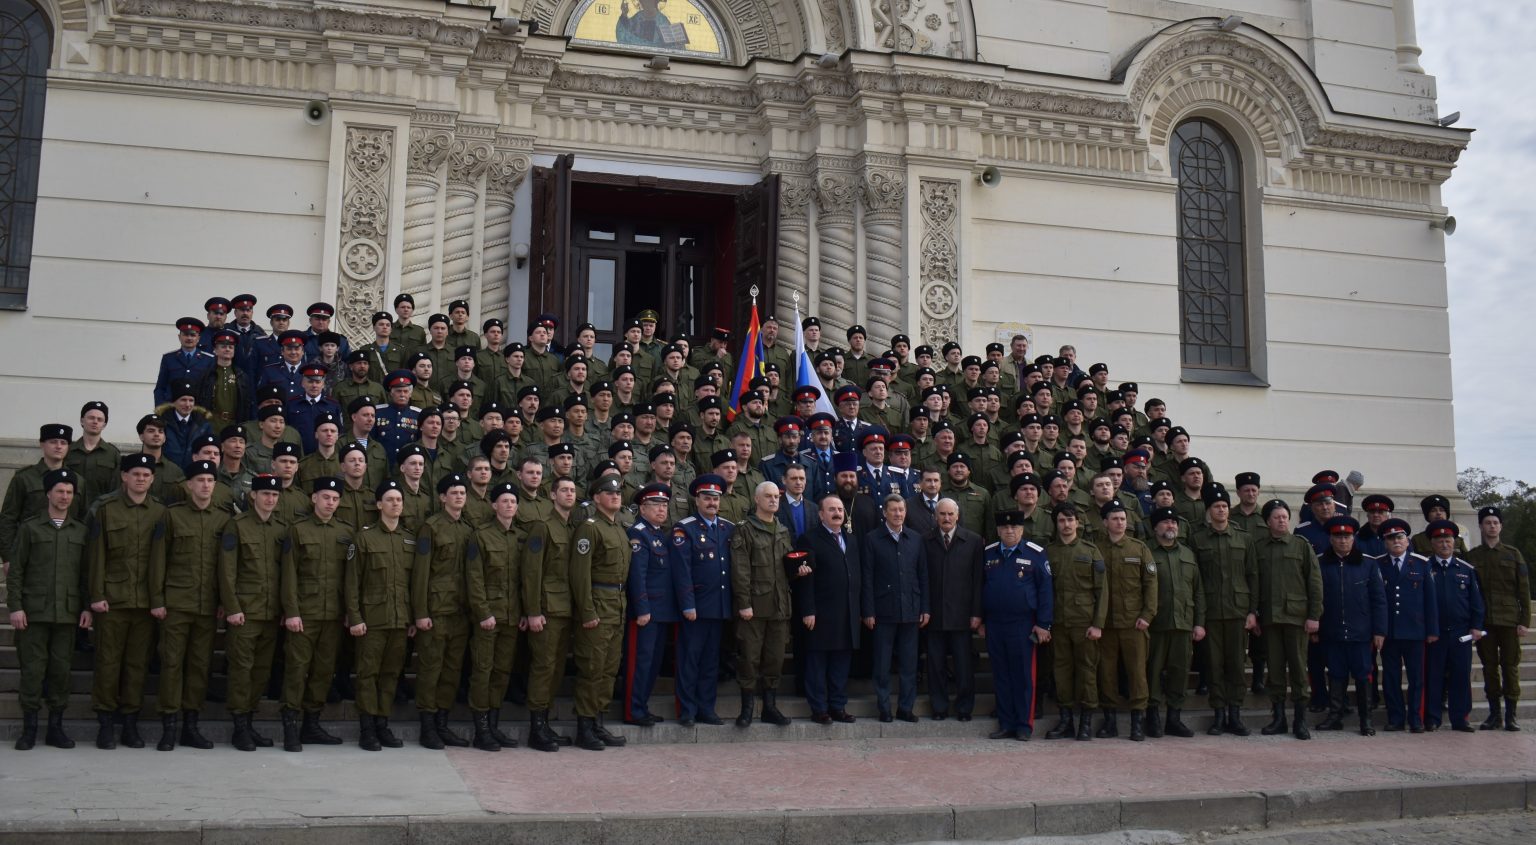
[771, 29]
[67, 14]
[1250, 82]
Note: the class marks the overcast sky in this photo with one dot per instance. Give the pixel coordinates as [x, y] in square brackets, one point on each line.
[1480, 52]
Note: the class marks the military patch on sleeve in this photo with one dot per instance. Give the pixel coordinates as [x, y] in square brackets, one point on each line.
[94, 529]
[423, 545]
[1151, 568]
[679, 537]
[229, 541]
[284, 545]
[535, 543]
[583, 546]
[634, 545]
[1098, 566]
[351, 550]
[471, 550]
[159, 531]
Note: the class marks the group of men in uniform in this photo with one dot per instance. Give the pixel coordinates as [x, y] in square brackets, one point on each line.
[452, 494]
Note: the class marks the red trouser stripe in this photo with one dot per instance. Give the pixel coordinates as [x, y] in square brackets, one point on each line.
[629, 669]
[1034, 660]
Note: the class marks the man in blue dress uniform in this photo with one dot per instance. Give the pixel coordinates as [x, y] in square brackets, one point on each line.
[397, 422]
[187, 363]
[285, 372]
[304, 410]
[1413, 618]
[1016, 612]
[1354, 622]
[656, 590]
[701, 550]
[1448, 660]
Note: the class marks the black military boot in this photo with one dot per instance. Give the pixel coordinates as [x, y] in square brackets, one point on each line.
[540, 737]
[260, 739]
[1138, 732]
[1363, 710]
[1107, 724]
[1509, 715]
[1152, 727]
[445, 733]
[428, 734]
[1176, 726]
[1277, 723]
[1336, 698]
[241, 738]
[586, 734]
[167, 732]
[1218, 723]
[1299, 722]
[771, 713]
[1235, 724]
[106, 732]
[744, 718]
[56, 736]
[130, 736]
[503, 740]
[1063, 726]
[483, 739]
[609, 739]
[28, 737]
[367, 733]
[386, 736]
[313, 732]
[1084, 724]
[190, 736]
[291, 741]
[1493, 721]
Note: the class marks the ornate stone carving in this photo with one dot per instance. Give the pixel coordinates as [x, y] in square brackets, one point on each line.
[763, 33]
[653, 89]
[917, 26]
[364, 235]
[467, 161]
[506, 172]
[419, 255]
[794, 264]
[836, 193]
[832, 25]
[939, 273]
[885, 198]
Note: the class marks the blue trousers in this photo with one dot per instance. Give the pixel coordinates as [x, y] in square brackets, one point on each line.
[642, 663]
[1317, 674]
[698, 667]
[1013, 674]
[1447, 671]
[1348, 659]
[900, 639]
[826, 680]
[1396, 657]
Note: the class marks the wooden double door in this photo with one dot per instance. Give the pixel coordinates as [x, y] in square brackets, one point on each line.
[605, 248]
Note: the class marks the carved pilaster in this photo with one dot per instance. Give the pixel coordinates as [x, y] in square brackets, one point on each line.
[428, 151]
[794, 270]
[939, 275]
[369, 152]
[836, 193]
[506, 172]
[467, 163]
[885, 198]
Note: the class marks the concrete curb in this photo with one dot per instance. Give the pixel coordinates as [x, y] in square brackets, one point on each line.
[1223, 812]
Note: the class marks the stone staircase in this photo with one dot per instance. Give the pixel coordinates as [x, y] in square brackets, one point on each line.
[341, 717]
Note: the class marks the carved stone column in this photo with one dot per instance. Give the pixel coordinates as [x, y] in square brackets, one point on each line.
[885, 199]
[836, 193]
[794, 271]
[502, 178]
[369, 153]
[467, 162]
[939, 275]
[429, 149]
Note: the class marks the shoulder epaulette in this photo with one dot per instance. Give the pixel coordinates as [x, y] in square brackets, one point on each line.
[1373, 557]
[590, 520]
[726, 521]
[1032, 545]
[416, 409]
[1417, 556]
[687, 519]
[992, 546]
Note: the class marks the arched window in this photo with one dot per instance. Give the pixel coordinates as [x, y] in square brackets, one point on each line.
[25, 46]
[1214, 330]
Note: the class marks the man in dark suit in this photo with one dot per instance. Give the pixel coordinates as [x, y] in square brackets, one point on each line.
[828, 607]
[923, 504]
[954, 599]
[895, 603]
[797, 512]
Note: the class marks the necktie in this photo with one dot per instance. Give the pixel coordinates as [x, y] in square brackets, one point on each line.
[840, 544]
[931, 506]
[187, 357]
[946, 542]
[1399, 563]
